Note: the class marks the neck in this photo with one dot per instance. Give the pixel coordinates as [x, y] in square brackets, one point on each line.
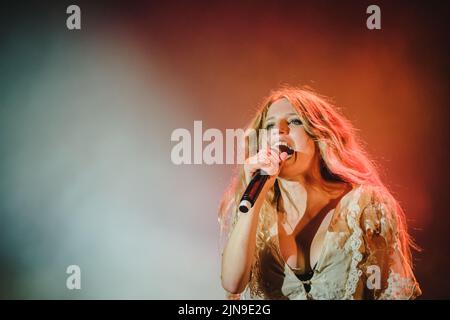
[306, 194]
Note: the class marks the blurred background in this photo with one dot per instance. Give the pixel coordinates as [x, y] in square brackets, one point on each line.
[86, 118]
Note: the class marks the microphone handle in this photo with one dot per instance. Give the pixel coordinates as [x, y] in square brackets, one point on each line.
[253, 190]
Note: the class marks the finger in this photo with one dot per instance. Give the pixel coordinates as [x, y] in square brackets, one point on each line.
[272, 169]
[254, 160]
[274, 165]
[263, 158]
[274, 157]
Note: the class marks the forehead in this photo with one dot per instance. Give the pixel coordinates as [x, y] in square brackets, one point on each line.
[280, 108]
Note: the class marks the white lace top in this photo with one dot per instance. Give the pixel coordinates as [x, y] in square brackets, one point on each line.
[360, 258]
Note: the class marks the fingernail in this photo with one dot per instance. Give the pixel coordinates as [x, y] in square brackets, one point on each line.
[283, 156]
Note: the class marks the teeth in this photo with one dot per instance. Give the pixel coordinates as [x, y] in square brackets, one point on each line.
[282, 144]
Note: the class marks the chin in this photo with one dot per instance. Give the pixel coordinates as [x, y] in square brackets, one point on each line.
[286, 175]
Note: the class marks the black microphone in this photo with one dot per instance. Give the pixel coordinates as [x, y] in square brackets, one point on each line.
[256, 184]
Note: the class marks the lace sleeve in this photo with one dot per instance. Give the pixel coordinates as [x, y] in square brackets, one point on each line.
[387, 267]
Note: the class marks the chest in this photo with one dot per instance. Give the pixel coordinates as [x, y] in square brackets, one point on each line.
[301, 250]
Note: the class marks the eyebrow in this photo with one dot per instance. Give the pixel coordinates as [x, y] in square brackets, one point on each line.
[289, 114]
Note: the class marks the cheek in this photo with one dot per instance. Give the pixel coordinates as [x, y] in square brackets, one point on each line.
[303, 142]
[306, 150]
[306, 153]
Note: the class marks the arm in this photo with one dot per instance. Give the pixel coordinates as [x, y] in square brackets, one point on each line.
[238, 254]
[237, 257]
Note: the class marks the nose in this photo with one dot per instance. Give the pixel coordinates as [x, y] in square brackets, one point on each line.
[283, 127]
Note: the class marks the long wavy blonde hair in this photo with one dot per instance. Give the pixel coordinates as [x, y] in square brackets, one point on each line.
[342, 158]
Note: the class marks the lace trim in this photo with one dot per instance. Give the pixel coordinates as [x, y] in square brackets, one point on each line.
[353, 244]
[399, 287]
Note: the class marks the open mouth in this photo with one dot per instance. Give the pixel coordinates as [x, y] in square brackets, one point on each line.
[284, 147]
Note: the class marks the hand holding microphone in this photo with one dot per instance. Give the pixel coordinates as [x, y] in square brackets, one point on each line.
[262, 169]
